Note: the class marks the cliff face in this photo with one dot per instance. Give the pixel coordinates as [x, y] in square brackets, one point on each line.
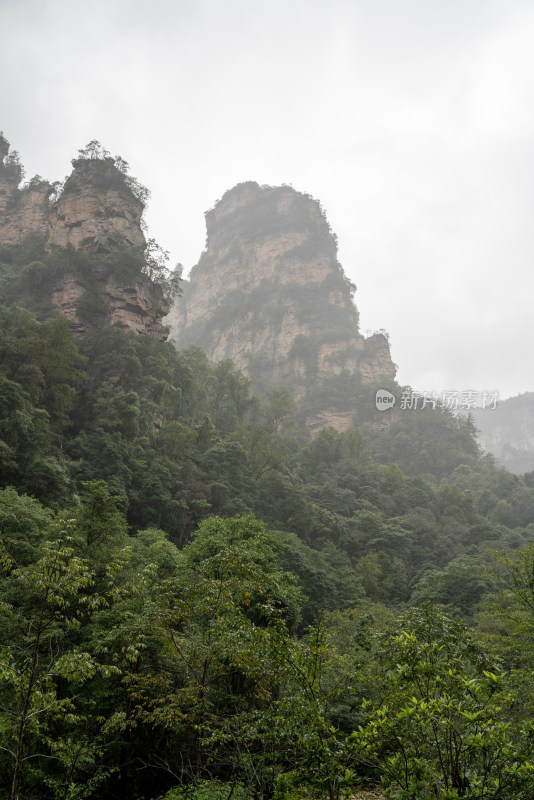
[136, 305]
[96, 210]
[269, 293]
[96, 213]
[99, 214]
[22, 211]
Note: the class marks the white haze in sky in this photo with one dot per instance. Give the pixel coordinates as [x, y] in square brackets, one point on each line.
[412, 122]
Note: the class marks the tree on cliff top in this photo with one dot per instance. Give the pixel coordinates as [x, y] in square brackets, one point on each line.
[10, 160]
[114, 168]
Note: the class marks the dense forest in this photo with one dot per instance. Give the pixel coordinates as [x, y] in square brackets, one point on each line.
[197, 601]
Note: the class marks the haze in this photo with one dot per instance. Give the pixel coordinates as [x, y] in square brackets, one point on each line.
[411, 122]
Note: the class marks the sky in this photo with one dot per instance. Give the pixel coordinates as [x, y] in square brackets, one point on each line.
[412, 122]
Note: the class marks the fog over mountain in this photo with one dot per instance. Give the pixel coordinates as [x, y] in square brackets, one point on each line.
[232, 536]
[411, 122]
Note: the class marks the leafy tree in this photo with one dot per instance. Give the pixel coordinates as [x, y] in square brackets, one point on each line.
[221, 619]
[24, 433]
[23, 522]
[42, 604]
[428, 441]
[326, 577]
[100, 523]
[438, 728]
[93, 150]
[279, 407]
[460, 586]
[241, 551]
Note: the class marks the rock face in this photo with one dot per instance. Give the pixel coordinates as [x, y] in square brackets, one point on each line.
[22, 211]
[270, 294]
[96, 213]
[96, 210]
[137, 306]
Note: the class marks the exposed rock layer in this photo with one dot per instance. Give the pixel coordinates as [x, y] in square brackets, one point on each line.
[96, 210]
[97, 213]
[270, 294]
[137, 306]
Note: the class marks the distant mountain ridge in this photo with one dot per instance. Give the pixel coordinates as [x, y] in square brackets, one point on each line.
[508, 432]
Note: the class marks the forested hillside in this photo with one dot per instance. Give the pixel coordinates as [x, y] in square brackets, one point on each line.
[198, 601]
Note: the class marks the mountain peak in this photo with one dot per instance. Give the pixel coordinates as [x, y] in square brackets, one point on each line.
[97, 213]
[270, 294]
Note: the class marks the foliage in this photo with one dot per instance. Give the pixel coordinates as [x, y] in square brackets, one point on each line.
[156, 637]
[42, 605]
[23, 522]
[428, 441]
[208, 790]
[439, 728]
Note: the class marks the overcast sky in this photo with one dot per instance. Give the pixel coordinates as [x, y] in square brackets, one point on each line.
[412, 121]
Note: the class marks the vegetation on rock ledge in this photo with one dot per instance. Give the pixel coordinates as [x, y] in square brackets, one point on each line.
[196, 602]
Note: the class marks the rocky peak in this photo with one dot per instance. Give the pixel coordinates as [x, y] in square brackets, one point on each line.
[97, 212]
[97, 209]
[269, 293]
